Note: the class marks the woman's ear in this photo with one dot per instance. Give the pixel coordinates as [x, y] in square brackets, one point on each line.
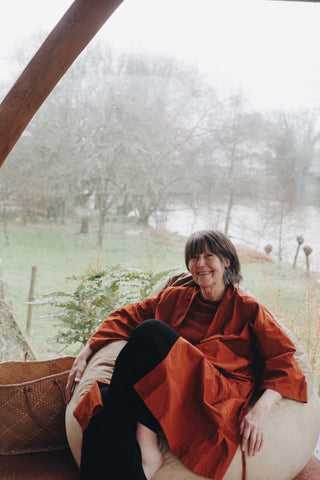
[227, 262]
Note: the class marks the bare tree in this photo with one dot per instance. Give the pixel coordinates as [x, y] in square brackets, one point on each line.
[233, 146]
[292, 140]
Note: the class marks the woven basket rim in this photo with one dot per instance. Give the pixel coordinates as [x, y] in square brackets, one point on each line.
[34, 382]
[36, 363]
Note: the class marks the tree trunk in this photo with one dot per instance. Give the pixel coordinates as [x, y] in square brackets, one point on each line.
[102, 220]
[230, 185]
[280, 233]
[24, 212]
[228, 215]
[84, 224]
[63, 212]
[5, 228]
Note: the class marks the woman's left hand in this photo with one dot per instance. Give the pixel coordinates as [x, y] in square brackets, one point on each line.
[253, 424]
[252, 430]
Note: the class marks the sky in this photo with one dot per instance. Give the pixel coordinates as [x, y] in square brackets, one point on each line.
[268, 49]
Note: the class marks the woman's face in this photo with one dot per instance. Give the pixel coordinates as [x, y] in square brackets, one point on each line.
[207, 270]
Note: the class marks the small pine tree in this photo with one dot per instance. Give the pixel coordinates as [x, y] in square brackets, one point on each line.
[79, 313]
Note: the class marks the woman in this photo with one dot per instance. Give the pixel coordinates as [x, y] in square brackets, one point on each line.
[190, 374]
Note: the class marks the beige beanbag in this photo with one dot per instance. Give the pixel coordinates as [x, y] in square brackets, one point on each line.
[290, 439]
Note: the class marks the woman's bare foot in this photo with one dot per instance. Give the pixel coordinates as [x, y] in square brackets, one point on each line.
[151, 455]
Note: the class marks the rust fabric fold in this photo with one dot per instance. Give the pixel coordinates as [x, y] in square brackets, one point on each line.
[199, 392]
[90, 405]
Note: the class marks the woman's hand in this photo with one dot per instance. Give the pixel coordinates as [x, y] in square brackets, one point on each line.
[76, 372]
[253, 424]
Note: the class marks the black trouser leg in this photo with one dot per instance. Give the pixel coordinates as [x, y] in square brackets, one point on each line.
[148, 345]
[110, 450]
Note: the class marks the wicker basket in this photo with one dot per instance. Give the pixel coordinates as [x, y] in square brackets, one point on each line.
[32, 405]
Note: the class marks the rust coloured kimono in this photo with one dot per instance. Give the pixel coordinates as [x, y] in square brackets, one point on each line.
[199, 392]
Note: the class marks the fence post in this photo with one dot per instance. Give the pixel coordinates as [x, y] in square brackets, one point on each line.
[31, 299]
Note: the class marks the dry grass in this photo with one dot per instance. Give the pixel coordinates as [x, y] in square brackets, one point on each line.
[294, 298]
[308, 330]
[250, 255]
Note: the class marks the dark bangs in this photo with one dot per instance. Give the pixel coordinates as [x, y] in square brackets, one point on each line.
[199, 242]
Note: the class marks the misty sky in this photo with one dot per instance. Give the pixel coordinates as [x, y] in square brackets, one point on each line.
[267, 48]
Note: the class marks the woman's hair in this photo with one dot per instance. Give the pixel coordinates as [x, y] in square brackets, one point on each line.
[219, 244]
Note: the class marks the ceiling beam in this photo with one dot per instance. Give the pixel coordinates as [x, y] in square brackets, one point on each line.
[63, 45]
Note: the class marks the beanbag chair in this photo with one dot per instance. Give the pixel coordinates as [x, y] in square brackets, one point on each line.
[290, 438]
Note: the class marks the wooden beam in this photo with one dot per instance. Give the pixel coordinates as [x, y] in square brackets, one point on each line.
[66, 41]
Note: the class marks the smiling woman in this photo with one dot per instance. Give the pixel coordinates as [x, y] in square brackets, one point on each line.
[195, 354]
[203, 356]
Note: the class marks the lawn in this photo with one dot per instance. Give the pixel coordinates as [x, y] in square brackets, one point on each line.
[59, 251]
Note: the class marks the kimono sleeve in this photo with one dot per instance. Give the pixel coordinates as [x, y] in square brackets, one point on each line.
[281, 371]
[120, 323]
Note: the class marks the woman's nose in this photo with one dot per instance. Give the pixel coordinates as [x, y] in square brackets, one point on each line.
[200, 260]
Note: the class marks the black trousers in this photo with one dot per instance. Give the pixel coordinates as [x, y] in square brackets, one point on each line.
[109, 448]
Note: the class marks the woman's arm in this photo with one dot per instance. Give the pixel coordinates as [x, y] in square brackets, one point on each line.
[76, 372]
[118, 325]
[253, 424]
[281, 371]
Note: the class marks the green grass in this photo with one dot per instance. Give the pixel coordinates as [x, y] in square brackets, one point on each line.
[59, 251]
